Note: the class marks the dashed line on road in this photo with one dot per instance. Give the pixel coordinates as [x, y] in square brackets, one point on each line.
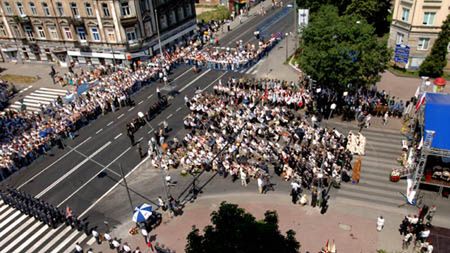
[101, 129]
[115, 138]
[150, 131]
[150, 96]
[140, 139]
[140, 102]
[131, 109]
[178, 109]
[120, 116]
[110, 123]
[160, 123]
[170, 116]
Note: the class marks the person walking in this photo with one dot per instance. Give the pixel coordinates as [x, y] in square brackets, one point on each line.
[161, 203]
[144, 234]
[96, 235]
[116, 245]
[158, 93]
[407, 241]
[78, 248]
[108, 238]
[385, 118]
[243, 177]
[126, 248]
[260, 185]
[380, 223]
[295, 189]
[131, 136]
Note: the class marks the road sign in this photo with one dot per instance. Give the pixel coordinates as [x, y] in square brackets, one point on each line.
[401, 53]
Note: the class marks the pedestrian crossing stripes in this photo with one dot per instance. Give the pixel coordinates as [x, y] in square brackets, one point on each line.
[374, 189]
[22, 233]
[41, 96]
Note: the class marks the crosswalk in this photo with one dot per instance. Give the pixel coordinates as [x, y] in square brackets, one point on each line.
[41, 96]
[374, 189]
[21, 233]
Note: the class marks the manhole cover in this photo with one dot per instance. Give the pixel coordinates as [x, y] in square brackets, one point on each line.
[345, 227]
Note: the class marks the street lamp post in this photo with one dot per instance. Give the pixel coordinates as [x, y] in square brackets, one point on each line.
[159, 40]
[287, 40]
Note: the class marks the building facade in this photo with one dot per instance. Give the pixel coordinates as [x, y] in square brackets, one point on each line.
[417, 23]
[95, 31]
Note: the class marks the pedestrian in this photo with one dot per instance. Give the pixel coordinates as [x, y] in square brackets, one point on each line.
[161, 203]
[108, 238]
[243, 178]
[116, 245]
[137, 250]
[385, 118]
[314, 197]
[407, 240]
[186, 101]
[260, 184]
[90, 250]
[380, 223]
[141, 153]
[96, 235]
[295, 192]
[126, 248]
[78, 248]
[144, 233]
[158, 93]
[423, 235]
[131, 136]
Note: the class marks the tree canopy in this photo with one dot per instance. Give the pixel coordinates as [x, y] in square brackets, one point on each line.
[339, 50]
[434, 64]
[235, 230]
[315, 5]
[375, 12]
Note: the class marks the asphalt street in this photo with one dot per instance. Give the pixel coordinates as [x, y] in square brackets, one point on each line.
[81, 174]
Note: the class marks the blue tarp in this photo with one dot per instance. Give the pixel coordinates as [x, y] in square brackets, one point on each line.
[437, 118]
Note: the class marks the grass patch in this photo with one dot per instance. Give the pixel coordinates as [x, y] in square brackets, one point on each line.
[19, 79]
[218, 13]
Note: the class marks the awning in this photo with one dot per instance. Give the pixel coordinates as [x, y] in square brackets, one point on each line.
[437, 118]
[440, 81]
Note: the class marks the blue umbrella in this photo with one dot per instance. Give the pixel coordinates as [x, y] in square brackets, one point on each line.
[142, 213]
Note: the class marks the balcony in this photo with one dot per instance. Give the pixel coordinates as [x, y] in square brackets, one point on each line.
[22, 19]
[76, 21]
[129, 20]
[134, 45]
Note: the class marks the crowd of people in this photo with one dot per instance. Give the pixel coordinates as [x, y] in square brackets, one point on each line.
[25, 136]
[415, 229]
[6, 90]
[248, 127]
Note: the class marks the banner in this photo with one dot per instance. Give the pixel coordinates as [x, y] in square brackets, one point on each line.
[303, 17]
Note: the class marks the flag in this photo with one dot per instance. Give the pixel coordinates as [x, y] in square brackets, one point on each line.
[333, 248]
[327, 246]
[68, 212]
[421, 101]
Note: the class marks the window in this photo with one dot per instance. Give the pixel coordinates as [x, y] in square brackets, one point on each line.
[46, 9]
[41, 32]
[428, 18]
[20, 8]
[172, 18]
[400, 37]
[188, 10]
[74, 9]
[53, 33]
[180, 13]
[131, 34]
[105, 10]
[111, 35]
[2, 31]
[29, 32]
[68, 33]
[81, 33]
[60, 9]
[405, 14]
[125, 8]
[423, 44]
[95, 34]
[8, 8]
[148, 28]
[89, 11]
[33, 8]
[17, 32]
[163, 21]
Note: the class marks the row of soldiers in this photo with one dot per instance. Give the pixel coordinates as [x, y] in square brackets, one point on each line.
[41, 210]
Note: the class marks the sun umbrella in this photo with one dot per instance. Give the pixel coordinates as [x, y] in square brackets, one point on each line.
[142, 213]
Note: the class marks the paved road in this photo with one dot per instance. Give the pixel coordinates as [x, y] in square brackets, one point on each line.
[82, 174]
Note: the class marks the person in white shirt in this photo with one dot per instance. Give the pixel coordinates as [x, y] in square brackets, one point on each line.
[108, 239]
[144, 233]
[78, 248]
[260, 184]
[116, 244]
[96, 236]
[380, 223]
[424, 234]
[243, 178]
[126, 248]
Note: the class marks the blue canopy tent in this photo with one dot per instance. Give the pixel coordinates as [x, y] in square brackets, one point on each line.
[437, 118]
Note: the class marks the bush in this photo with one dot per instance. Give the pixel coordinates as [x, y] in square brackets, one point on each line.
[218, 13]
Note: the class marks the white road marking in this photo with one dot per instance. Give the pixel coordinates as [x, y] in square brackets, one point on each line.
[112, 188]
[31, 238]
[195, 80]
[110, 123]
[94, 177]
[131, 109]
[56, 238]
[140, 139]
[101, 129]
[6, 213]
[17, 230]
[160, 123]
[120, 116]
[170, 116]
[91, 241]
[46, 168]
[72, 170]
[115, 138]
[44, 238]
[178, 77]
[140, 102]
[150, 96]
[214, 81]
[9, 218]
[12, 226]
[68, 239]
[178, 109]
[150, 131]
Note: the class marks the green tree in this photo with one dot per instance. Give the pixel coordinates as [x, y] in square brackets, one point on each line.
[315, 5]
[434, 64]
[234, 230]
[339, 50]
[376, 13]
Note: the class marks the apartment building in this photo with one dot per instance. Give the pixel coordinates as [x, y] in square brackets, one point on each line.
[95, 31]
[416, 23]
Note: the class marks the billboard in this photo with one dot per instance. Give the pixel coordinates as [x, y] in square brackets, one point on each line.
[401, 53]
[303, 17]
